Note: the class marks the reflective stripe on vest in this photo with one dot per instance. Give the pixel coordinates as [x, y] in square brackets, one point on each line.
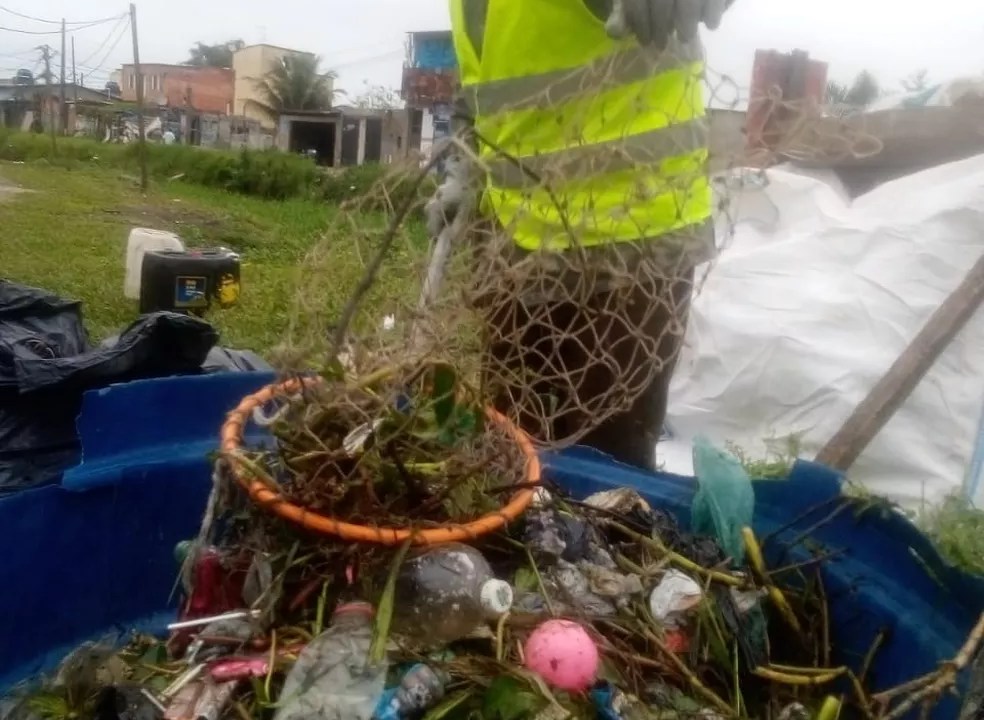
[624, 67]
[586, 140]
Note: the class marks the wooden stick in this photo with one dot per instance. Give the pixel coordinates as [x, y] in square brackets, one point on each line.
[906, 372]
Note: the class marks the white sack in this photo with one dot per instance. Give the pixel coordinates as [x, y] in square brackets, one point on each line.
[811, 302]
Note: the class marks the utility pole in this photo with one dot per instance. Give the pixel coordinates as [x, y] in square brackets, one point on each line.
[46, 103]
[64, 104]
[75, 79]
[138, 78]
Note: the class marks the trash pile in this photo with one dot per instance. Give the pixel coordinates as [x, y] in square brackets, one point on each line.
[572, 608]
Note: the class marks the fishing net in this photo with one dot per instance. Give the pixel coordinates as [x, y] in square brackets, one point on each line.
[575, 341]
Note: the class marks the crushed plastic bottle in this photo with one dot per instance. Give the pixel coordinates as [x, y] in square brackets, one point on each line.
[444, 593]
[333, 676]
[420, 689]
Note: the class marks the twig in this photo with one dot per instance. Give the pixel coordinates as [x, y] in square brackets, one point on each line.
[933, 685]
[273, 661]
[824, 619]
[810, 531]
[241, 710]
[869, 657]
[787, 678]
[757, 564]
[539, 582]
[694, 681]
[319, 615]
[500, 631]
[675, 558]
[766, 539]
[372, 270]
[823, 557]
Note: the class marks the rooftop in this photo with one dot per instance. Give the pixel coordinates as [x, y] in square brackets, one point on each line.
[275, 47]
[85, 94]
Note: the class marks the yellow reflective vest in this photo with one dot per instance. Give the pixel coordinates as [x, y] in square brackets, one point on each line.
[585, 139]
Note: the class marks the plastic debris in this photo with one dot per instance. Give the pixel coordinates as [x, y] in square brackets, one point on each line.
[674, 597]
[333, 676]
[444, 593]
[452, 640]
[725, 501]
[420, 689]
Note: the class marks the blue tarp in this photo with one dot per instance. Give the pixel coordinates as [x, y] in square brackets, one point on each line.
[94, 556]
[434, 53]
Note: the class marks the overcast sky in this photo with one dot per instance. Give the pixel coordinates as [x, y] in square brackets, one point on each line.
[363, 39]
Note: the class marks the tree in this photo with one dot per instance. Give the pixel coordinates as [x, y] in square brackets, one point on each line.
[377, 97]
[220, 55]
[296, 83]
[836, 93]
[917, 82]
[860, 94]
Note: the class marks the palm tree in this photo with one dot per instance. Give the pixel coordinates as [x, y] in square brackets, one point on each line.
[295, 83]
[860, 94]
[220, 55]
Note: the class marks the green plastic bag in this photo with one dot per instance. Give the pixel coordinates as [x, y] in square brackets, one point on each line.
[725, 500]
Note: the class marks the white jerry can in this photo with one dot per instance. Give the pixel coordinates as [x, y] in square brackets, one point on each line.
[144, 240]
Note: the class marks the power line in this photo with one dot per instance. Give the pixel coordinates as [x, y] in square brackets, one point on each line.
[105, 40]
[122, 31]
[20, 54]
[57, 22]
[367, 60]
[123, 20]
[57, 32]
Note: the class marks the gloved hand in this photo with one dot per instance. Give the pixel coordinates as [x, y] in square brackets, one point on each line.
[653, 22]
[451, 194]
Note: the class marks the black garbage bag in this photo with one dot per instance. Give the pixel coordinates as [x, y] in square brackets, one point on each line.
[47, 363]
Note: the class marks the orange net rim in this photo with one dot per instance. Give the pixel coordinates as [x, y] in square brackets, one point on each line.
[231, 435]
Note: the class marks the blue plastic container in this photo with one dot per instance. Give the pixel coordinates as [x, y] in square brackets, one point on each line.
[94, 557]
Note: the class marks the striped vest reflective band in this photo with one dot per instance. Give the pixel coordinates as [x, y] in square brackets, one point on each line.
[583, 137]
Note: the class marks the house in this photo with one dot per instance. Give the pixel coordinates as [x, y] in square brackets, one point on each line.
[251, 64]
[344, 135]
[430, 76]
[203, 89]
[36, 106]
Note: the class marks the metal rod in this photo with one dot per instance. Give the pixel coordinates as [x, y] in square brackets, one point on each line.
[200, 622]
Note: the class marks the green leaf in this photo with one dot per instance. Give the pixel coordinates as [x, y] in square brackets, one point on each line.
[156, 654]
[525, 580]
[333, 370]
[384, 611]
[443, 383]
[508, 699]
[158, 683]
[449, 705]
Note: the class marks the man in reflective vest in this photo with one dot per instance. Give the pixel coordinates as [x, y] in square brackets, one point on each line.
[587, 122]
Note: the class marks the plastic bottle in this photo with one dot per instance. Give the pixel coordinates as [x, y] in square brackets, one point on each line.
[420, 689]
[333, 676]
[443, 594]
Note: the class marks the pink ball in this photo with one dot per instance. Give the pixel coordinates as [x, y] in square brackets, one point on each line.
[563, 654]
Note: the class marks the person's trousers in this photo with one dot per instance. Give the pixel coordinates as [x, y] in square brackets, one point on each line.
[597, 371]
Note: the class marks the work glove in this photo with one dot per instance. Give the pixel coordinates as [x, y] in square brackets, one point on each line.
[451, 195]
[654, 22]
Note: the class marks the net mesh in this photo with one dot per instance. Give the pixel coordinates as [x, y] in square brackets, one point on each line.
[571, 341]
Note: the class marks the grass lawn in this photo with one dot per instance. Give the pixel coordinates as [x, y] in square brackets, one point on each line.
[68, 235]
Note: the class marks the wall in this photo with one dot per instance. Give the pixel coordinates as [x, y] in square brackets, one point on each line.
[250, 65]
[211, 89]
[208, 90]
